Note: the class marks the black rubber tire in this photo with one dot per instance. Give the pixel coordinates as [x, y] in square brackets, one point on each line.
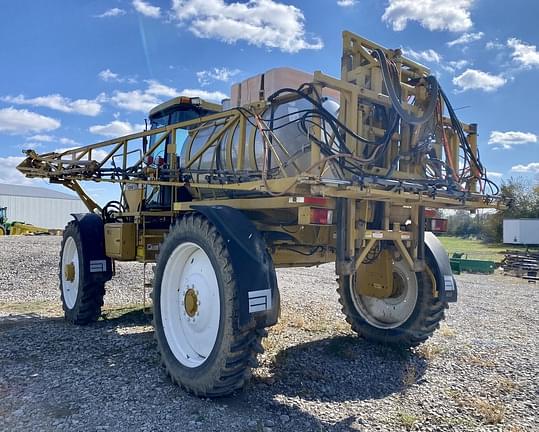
[422, 323]
[87, 307]
[228, 367]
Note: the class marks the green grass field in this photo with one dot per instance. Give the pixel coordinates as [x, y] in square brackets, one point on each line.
[476, 249]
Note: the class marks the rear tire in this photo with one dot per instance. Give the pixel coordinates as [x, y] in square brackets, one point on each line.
[82, 299]
[418, 323]
[196, 311]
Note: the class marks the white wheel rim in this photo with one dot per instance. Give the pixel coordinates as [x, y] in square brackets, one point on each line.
[392, 312]
[70, 288]
[190, 335]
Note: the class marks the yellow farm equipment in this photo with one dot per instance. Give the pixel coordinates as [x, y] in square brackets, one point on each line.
[17, 228]
[295, 169]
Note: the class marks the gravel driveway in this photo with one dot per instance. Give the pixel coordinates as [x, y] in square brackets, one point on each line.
[479, 371]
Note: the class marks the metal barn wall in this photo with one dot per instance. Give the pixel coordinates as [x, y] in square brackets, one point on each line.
[52, 213]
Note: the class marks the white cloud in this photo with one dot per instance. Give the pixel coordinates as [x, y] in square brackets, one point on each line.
[135, 100]
[41, 138]
[495, 174]
[473, 79]
[50, 138]
[431, 14]
[155, 93]
[524, 54]
[157, 89]
[466, 38]
[147, 9]
[258, 22]
[111, 13]
[215, 96]
[224, 74]
[429, 55]
[508, 139]
[532, 167]
[15, 121]
[346, 3]
[455, 65]
[60, 103]
[458, 64]
[116, 128]
[491, 45]
[67, 141]
[107, 75]
[9, 173]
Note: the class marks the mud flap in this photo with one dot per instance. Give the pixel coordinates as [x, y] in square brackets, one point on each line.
[96, 264]
[445, 282]
[252, 264]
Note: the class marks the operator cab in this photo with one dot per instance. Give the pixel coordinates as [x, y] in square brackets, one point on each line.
[177, 110]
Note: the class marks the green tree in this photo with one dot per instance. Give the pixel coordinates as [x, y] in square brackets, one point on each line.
[523, 199]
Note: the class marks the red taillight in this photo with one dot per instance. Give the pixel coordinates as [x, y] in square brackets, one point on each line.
[437, 225]
[430, 213]
[321, 216]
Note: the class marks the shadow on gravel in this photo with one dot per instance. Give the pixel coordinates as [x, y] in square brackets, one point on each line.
[344, 368]
[125, 316]
[16, 320]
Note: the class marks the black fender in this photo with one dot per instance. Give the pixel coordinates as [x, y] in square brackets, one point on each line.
[256, 281]
[438, 261]
[97, 266]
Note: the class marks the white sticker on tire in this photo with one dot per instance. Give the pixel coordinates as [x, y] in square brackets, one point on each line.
[449, 284]
[259, 300]
[98, 266]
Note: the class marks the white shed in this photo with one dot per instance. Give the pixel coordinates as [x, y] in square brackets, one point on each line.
[521, 231]
[38, 206]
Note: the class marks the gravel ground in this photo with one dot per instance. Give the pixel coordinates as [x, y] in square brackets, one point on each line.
[479, 371]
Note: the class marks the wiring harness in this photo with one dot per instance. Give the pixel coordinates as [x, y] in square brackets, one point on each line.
[429, 127]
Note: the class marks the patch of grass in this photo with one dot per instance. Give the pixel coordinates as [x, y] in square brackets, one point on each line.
[322, 325]
[409, 375]
[446, 331]
[40, 307]
[506, 385]
[514, 428]
[476, 249]
[480, 361]
[491, 413]
[114, 313]
[407, 419]
[430, 351]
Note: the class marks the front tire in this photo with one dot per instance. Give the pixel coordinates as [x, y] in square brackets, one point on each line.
[196, 312]
[82, 298]
[405, 319]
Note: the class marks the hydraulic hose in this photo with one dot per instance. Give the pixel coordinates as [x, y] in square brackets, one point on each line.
[395, 100]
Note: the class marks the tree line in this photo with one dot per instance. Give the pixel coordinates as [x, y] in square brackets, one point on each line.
[488, 226]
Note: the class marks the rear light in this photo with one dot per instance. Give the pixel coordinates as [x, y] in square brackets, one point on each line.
[314, 216]
[430, 213]
[321, 216]
[437, 225]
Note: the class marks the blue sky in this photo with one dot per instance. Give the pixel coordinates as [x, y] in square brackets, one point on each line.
[78, 72]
